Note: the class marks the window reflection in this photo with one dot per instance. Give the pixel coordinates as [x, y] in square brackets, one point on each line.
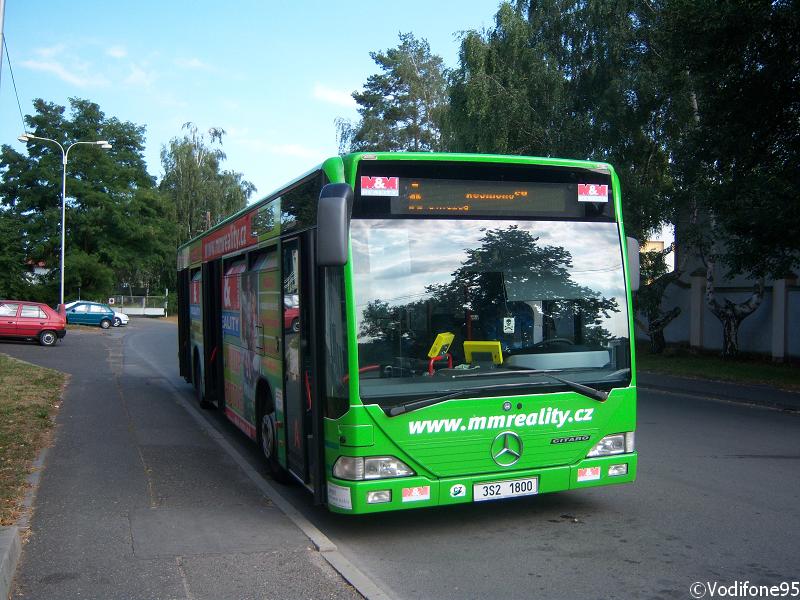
[551, 294]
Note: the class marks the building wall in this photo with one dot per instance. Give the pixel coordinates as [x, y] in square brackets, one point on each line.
[793, 330]
[755, 332]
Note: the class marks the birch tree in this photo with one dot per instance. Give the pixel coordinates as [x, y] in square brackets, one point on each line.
[202, 192]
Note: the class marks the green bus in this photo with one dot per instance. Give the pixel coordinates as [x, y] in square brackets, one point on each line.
[400, 330]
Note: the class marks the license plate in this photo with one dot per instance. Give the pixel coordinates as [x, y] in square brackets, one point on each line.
[495, 490]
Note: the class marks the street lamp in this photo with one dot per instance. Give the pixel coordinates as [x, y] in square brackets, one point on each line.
[27, 137]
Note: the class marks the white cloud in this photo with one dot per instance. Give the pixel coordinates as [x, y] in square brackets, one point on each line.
[117, 52]
[76, 75]
[50, 51]
[192, 63]
[245, 138]
[332, 96]
[139, 77]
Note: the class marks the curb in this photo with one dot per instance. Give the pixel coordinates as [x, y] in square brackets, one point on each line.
[11, 538]
[362, 583]
[327, 549]
[10, 551]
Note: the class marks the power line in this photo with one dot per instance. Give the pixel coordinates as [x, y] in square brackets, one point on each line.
[14, 83]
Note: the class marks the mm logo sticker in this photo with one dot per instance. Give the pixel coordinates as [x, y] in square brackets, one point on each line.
[380, 186]
[416, 494]
[589, 474]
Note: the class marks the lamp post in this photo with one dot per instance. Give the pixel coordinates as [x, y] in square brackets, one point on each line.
[25, 138]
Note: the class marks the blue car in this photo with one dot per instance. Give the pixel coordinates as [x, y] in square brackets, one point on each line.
[90, 313]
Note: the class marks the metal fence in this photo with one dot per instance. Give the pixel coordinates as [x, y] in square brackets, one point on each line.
[147, 306]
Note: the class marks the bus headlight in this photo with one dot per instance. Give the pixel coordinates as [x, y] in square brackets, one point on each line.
[618, 443]
[381, 467]
[357, 468]
[349, 467]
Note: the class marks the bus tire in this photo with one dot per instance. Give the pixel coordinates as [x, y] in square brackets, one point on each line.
[267, 433]
[199, 388]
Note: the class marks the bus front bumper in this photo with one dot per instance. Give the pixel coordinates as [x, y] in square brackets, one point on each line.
[352, 497]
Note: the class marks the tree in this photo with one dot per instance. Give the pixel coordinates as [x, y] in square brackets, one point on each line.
[509, 94]
[656, 278]
[401, 107]
[13, 283]
[734, 74]
[573, 79]
[116, 222]
[695, 103]
[201, 193]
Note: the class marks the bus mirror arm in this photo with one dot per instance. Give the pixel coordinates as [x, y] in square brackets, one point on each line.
[633, 263]
[333, 224]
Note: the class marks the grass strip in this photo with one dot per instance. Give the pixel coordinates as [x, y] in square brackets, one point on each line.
[747, 370]
[29, 397]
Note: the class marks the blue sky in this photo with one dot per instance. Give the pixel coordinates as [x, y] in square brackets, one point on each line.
[274, 75]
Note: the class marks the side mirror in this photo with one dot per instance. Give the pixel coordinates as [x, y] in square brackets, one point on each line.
[333, 224]
[633, 263]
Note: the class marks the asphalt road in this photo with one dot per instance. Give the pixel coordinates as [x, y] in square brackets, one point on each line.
[137, 501]
[717, 500]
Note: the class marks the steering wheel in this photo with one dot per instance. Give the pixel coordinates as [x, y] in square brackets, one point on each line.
[556, 340]
[383, 371]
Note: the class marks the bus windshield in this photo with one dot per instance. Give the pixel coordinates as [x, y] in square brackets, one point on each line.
[441, 303]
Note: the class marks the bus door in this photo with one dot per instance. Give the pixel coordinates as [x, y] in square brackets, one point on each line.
[297, 383]
[212, 331]
[184, 347]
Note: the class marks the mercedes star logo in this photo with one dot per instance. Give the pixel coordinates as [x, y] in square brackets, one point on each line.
[506, 448]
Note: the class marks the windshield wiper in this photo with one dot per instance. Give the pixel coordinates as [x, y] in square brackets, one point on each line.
[417, 404]
[582, 389]
[585, 390]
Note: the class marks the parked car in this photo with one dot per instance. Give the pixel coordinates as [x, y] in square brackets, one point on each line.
[119, 317]
[31, 320]
[291, 313]
[90, 313]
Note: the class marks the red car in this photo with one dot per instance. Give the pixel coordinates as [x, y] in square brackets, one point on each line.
[32, 320]
[291, 313]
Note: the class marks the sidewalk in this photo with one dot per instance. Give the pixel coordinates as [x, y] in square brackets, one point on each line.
[725, 390]
[137, 501]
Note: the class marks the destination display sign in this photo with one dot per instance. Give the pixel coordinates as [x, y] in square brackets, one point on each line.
[447, 196]
[410, 189]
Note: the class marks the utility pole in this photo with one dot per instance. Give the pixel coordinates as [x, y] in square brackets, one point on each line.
[2, 39]
[27, 137]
